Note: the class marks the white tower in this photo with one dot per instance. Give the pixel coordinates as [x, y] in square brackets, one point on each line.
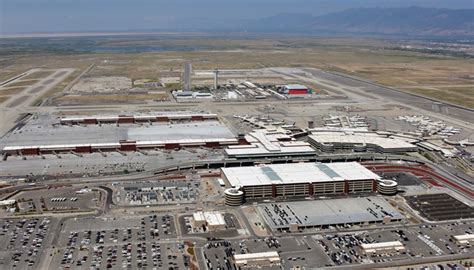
[216, 78]
[186, 80]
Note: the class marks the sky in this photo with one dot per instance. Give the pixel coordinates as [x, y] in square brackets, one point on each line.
[34, 16]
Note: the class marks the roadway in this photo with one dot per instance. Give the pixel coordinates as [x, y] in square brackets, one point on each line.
[452, 183]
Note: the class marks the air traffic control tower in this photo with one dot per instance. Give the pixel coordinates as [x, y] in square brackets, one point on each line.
[186, 76]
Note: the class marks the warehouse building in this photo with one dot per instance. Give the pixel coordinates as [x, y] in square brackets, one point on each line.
[359, 142]
[301, 179]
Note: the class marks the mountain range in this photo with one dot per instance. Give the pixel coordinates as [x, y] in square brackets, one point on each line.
[411, 21]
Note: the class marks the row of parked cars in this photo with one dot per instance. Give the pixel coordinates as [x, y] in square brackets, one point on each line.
[27, 239]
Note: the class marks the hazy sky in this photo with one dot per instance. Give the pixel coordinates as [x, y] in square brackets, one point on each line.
[17, 16]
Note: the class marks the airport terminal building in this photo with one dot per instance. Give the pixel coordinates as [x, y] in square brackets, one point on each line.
[359, 142]
[301, 179]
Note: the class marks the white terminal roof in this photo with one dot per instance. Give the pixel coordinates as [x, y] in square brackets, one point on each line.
[360, 138]
[296, 86]
[296, 173]
[264, 142]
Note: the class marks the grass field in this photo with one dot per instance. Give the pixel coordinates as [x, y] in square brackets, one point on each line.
[447, 95]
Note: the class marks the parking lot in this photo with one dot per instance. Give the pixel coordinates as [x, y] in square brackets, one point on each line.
[440, 206]
[58, 199]
[327, 213]
[23, 242]
[140, 255]
[141, 242]
[419, 242]
[293, 251]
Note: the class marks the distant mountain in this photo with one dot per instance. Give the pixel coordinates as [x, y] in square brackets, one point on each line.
[414, 21]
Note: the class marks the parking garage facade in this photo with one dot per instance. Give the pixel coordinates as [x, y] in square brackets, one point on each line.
[301, 180]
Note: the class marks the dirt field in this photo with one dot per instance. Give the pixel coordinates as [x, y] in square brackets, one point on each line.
[441, 77]
[4, 98]
[7, 91]
[103, 99]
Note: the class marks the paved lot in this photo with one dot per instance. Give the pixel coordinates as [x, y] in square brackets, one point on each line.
[132, 242]
[24, 241]
[324, 213]
[419, 241]
[59, 199]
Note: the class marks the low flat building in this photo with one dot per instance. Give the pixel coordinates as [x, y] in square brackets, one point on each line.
[384, 247]
[257, 259]
[198, 219]
[214, 221]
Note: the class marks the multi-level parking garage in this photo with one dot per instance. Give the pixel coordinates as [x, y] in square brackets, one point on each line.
[301, 179]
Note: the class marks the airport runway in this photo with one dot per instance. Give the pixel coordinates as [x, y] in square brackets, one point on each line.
[425, 103]
[13, 108]
[364, 91]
